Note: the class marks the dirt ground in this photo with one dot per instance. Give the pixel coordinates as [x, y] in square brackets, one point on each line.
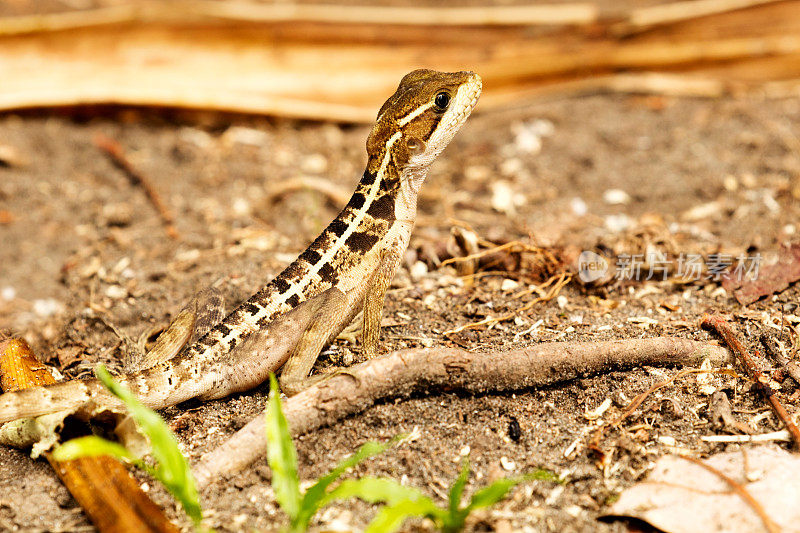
[83, 248]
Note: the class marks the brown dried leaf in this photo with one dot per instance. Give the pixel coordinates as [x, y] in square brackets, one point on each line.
[771, 279]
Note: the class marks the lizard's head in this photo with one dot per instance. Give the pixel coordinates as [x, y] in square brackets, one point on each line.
[421, 118]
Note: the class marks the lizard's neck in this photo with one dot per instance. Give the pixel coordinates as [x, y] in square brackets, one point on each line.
[382, 208]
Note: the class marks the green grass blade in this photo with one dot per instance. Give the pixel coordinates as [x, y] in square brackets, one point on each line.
[454, 496]
[314, 497]
[172, 468]
[492, 494]
[282, 456]
[498, 490]
[391, 517]
[380, 490]
[91, 446]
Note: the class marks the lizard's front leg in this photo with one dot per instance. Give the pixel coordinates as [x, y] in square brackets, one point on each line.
[375, 299]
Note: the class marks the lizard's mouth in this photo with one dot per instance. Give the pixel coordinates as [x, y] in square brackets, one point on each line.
[463, 103]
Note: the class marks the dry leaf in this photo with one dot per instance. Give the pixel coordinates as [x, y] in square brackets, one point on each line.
[682, 497]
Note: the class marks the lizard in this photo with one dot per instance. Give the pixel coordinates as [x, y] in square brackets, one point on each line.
[346, 270]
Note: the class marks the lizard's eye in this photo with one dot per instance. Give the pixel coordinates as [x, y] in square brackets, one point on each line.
[441, 101]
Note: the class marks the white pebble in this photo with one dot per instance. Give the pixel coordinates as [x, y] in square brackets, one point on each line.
[47, 307]
[507, 464]
[667, 441]
[477, 172]
[116, 292]
[8, 293]
[511, 167]
[243, 135]
[578, 206]
[616, 197]
[241, 207]
[418, 270]
[314, 164]
[617, 223]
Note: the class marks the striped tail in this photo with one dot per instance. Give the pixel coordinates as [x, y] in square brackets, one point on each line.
[37, 401]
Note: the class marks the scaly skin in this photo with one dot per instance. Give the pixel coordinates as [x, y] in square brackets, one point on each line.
[345, 270]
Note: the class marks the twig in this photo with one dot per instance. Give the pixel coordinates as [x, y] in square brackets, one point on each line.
[771, 348]
[560, 281]
[400, 374]
[721, 326]
[520, 247]
[111, 498]
[739, 489]
[781, 435]
[337, 195]
[115, 151]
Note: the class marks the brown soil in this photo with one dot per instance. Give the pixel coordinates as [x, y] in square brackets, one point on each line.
[82, 247]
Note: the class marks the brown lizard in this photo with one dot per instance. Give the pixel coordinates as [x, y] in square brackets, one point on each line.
[347, 269]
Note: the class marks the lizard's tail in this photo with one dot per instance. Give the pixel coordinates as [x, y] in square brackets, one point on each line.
[37, 401]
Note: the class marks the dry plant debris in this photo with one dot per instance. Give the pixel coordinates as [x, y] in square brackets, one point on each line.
[111, 498]
[771, 278]
[721, 326]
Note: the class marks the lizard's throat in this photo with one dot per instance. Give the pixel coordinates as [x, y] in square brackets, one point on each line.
[411, 182]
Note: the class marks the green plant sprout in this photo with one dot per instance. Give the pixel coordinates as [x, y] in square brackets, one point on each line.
[404, 502]
[171, 469]
[282, 458]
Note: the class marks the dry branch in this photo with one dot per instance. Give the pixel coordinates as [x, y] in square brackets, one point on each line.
[117, 155]
[403, 373]
[111, 498]
[721, 326]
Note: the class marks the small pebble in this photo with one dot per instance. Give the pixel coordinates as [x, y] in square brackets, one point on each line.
[507, 464]
[241, 207]
[617, 223]
[509, 285]
[578, 206]
[8, 293]
[314, 164]
[616, 197]
[47, 307]
[116, 292]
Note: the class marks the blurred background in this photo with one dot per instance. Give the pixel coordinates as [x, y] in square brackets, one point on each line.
[337, 61]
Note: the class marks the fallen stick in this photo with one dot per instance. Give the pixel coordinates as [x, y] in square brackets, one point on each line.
[114, 151]
[781, 435]
[403, 373]
[721, 326]
[102, 486]
[771, 347]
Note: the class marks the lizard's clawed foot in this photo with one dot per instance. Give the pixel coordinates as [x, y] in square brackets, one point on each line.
[352, 331]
